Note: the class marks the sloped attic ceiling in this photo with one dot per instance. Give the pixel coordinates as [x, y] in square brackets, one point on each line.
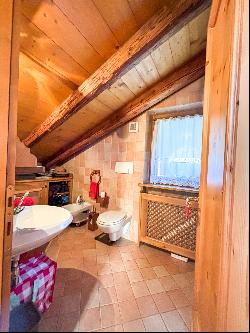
[63, 42]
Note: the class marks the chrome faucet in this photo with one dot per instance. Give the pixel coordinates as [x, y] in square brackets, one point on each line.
[19, 207]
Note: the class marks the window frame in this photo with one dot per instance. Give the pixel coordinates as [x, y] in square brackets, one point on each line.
[152, 116]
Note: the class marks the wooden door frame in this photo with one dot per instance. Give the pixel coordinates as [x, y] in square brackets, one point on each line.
[9, 45]
[228, 308]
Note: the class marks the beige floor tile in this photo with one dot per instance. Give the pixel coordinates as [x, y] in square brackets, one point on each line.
[160, 271]
[129, 311]
[134, 326]
[168, 283]
[116, 328]
[178, 298]
[107, 296]
[106, 280]
[124, 292]
[110, 315]
[148, 273]
[181, 280]
[120, 278]
[127, 256]
[134, 276]
[146, 306]
[154, 324]
[154, 286]
[163, 302]
[130, 265]
[154, 260]
[117, 266]
[174, 322]
[137, 254]
[189, 293]
[142, 263]
[140, 289]
[103, 269]
[115, 257]
[186, 314]
[103, 259]
[172, 268]
[90, 320]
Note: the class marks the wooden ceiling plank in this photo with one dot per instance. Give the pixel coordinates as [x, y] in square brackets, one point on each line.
[148, 71]
[180, 46]
[175, 81]
[39, 93]
[198, 32]
[134, 81]
[157, 30]
[163, 59]
[144, 9]
[92, 26]
[109, 99]
[51, 70]
[121, 91]
[38, 45]
[119, 18]
[52, 21]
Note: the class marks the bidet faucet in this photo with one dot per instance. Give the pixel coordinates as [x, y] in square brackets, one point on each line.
[19, 207]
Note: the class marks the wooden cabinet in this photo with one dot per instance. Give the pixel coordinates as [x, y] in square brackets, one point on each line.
[39, 188]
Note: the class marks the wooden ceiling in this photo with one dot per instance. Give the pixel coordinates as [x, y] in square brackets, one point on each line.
[63, 42]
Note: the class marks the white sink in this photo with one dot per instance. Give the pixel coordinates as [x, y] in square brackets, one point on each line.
[37, 225]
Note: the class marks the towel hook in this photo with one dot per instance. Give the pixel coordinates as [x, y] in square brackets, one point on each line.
[98, 173]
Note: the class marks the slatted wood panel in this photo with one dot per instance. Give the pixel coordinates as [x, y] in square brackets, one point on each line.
[163, 223]
[154, 67]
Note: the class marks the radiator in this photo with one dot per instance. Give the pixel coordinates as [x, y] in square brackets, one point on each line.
[163, 223]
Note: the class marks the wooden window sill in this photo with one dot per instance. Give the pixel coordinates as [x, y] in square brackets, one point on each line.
[170, 188]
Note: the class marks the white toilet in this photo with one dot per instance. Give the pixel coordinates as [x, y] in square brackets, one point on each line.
[112, 223]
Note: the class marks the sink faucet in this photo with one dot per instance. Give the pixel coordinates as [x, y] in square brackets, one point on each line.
[19, 207]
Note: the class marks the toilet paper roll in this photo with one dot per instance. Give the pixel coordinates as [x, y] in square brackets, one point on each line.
[103, 194]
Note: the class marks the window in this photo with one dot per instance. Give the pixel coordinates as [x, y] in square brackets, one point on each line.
[176, 151]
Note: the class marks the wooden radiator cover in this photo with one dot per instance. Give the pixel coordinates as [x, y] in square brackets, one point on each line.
[163, 223]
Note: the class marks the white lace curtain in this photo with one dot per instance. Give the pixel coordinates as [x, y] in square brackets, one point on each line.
[176, 151]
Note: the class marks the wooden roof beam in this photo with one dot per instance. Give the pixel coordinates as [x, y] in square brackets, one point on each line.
[157, 30]
[180, 78]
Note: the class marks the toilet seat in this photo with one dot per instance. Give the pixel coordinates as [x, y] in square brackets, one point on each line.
[111, 218]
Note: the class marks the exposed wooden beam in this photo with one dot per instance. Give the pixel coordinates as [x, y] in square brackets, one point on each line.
[180, 78]
[157, 30]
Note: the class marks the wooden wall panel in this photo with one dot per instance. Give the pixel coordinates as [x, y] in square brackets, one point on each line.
[9, 45]
[221, 277]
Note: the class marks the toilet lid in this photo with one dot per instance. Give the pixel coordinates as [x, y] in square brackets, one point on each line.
[112, 216]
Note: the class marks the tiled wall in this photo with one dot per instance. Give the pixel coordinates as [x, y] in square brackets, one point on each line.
[24, 158]
[123, 189]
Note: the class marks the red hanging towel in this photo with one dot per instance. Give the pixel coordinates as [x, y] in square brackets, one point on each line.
[94, 190]
[26, 202]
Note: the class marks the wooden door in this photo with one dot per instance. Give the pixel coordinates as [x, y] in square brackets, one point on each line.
[9, 38]
[221, 277]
